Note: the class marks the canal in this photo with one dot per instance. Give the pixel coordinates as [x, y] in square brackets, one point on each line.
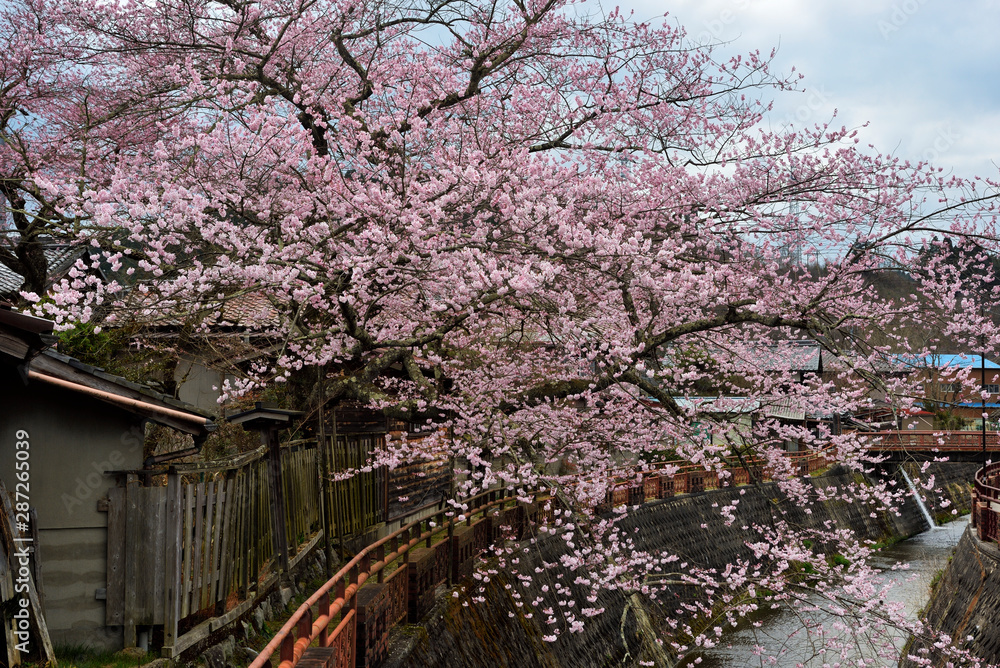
[795, 636]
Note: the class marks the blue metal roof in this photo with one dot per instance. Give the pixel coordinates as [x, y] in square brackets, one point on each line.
[963, 361]
[960, 361]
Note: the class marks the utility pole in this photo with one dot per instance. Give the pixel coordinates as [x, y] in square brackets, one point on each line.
[982, 371]
[323, 466]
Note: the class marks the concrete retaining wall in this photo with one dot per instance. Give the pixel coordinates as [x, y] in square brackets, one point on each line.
[952, 482]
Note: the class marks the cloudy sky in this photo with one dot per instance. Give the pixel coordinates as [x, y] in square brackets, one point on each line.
[925, 74]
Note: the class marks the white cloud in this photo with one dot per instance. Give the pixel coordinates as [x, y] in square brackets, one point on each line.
[924, 73]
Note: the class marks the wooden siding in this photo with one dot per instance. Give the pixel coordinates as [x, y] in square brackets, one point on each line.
[225, 541]
[203, 544]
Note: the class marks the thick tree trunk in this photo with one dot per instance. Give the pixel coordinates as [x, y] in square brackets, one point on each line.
[25, 254]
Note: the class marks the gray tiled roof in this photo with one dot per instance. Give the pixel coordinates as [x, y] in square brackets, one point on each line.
[60, 258]
[789, 356]
[146, 391]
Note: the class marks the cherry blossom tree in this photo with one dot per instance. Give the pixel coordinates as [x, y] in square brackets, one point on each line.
[541, 228]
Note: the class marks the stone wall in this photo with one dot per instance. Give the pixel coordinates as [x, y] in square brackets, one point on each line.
[966, 603]
[459, 633]
[952, 482]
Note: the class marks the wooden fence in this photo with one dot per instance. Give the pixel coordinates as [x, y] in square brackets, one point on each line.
[203, 544]
[353, 620]
[417, 485]
[359, 501]
[196, 552]
[426, 553]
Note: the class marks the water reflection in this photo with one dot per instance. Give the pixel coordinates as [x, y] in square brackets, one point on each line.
[784, 632]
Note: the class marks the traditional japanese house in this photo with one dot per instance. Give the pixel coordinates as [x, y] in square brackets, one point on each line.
[64, 426]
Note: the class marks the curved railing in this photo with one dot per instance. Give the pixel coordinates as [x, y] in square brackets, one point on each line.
[417, 578]
[986, 502]
[301, 630]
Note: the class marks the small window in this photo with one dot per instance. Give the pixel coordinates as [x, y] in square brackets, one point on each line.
[992, 389]
[948, 387]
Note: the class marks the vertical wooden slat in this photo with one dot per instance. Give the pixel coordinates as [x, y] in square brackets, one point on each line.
[244, 531]
[336, 503]
[258, 523]
[307, 499]
[211, 545]
[291, 507]
[213, 569]
[188, 542]
[235, 539]
[157, 527]
[134, 539]
[173, 559]
[288, 507]
[264, 511]
[345, 488]
[205, 549]
[224, 503]
[304, 499]
[226, 556]
[196, 545]
[310, 497]
[262, 518]
[248, 526]
[301, 507]
[115, 604]
[359, 484]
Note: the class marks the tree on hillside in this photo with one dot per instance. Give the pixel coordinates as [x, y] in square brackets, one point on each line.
[499, 218]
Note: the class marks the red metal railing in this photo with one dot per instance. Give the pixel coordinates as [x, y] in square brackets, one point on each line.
[424, 568]
[302, 630]
[986, 502]
[695, 478]
[943, 441]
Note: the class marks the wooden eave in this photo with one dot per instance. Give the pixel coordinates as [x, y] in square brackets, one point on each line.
[23, 336]
[123, 394]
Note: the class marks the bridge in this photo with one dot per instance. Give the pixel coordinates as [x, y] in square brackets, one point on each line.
[957, 446]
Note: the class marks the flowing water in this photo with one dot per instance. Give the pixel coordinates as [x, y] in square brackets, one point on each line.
[916, 497]
[783, 631]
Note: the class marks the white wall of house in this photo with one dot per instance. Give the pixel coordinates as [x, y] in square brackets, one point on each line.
[200, 385]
